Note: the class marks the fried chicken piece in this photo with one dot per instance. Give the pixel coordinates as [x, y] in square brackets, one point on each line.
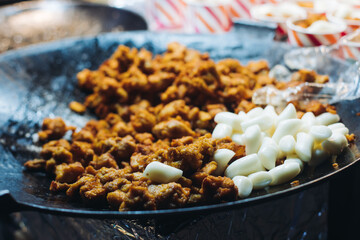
[58, 153]
[138, 161]
[173, 109]
[350, 137]
[49, 148]
[53, 128]
[111, 91]
[82, 152]
[123, 148]
[120, 148]
[120, 183]
[322, 78]
[113, 118]
[316, 107]
[218, 189]
[170, 195]
[86, 79]
[83, 136]
[73, 189]
[159, 81]
[122, 129]
[93, 193]
[227, 66]
[173, 128]
[144, 138]
[77, 107]
[258, 66]
[116, 198]
[68, 173]
[207, 170]
[137, 198]
[58, 187]
[50, 165]
[134, 80]
[304, 75]
[110, 174]
[245, 106]
[313, 106]
[214, 109]
[182, 141]
[104, 160]
[94, 126]
[143, 121]
[35, 165]
[190, 157]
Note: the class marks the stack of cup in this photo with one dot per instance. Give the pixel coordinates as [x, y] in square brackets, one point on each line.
[241, 8]
[168, 15]
[208, 16]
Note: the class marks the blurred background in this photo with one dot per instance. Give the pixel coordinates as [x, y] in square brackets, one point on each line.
[26, 22]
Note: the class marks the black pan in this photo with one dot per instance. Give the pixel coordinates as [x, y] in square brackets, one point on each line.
[43, 21]
[39, 82]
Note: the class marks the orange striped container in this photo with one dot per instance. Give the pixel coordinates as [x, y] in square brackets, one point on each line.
[303, 38]
[350, 47]
[241, 8]
[208, 16]
[166, 14]
[351, 51]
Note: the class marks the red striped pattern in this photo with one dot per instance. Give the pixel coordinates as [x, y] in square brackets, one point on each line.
[166, 14]
[241, 8]
[351, 52]
[209, 18]
[312, 40]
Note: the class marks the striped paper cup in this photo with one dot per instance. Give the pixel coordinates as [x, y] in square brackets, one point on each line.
[352, 25]
[166, 14]
[241, 8]
[303, 38]
[350, 46]
[259, 13]
[208, 16]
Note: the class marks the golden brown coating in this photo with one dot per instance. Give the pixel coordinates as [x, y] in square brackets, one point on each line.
[77, 107]
[155, 108]
[68, 173]
[173, 128]
[53, 128]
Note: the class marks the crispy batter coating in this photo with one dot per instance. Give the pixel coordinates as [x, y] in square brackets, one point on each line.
[155, 108]
[173, 128]
[218, 189]
[53, 128]
[77, 107]
[68, 173]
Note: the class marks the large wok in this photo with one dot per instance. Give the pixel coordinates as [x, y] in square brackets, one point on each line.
[40, 81]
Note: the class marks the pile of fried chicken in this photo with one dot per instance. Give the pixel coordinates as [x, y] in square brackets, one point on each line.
[154, 108]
